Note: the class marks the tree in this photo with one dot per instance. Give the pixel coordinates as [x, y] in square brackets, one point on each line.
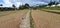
[26, 5]
[21, 7]
[52, 3]
[1, 5]
[57, 3]
[14, 6]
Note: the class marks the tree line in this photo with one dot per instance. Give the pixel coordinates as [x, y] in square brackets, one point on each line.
[53, 3]
[26, 6]
[20, 7]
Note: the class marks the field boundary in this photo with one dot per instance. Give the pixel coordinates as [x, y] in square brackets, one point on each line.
[7, 14]
[51, 11]
[31, 21]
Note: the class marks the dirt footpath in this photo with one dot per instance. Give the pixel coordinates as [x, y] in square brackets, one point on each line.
[45, 19]
[25, 23]
[12, 20]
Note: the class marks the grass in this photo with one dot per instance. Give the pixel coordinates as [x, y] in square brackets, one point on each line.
[51, 8]
[52, 12]
[47, 9]
[31, 21]
[54, 8]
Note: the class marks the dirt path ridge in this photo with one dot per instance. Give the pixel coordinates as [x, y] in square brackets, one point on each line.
[25, 23]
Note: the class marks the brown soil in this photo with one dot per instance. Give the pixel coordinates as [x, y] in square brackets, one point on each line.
[45, 19]
[12, 20]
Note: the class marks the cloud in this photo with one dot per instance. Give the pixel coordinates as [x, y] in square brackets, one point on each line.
[9, 3]
[38, 3]
[18, 4]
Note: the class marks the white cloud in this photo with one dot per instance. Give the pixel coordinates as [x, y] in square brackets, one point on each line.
[40, 2]
[8, 3]
[18, 4]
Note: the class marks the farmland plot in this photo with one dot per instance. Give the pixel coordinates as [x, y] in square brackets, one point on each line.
[12, 20]
[44, 19]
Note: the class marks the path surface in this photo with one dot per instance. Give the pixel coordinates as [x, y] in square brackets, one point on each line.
[25, 21]
[12, 20]
[45, 19]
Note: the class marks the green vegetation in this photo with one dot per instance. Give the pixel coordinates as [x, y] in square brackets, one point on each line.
[26, 6]
[31, 21]
[50, 9]
[53, 8]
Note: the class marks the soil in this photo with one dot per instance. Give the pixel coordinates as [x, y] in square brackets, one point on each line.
[44, 19]
[12, 20]
[25, 23]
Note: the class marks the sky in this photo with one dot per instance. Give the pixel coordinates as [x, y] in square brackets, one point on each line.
[8, 3]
